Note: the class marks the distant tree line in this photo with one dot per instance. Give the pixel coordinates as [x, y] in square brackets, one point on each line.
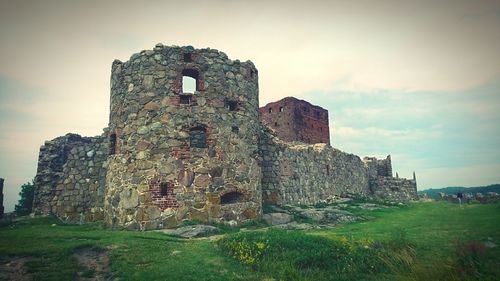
[433, 192]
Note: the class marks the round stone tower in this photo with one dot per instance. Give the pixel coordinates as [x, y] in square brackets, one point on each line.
[183, 134]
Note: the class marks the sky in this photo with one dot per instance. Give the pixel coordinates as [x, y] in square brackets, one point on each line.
[419, 80]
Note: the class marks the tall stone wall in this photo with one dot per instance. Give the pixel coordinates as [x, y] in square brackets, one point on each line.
[70, 179]
[181, 155]
[306, 174]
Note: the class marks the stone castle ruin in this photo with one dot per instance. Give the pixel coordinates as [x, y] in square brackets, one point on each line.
[209, 154]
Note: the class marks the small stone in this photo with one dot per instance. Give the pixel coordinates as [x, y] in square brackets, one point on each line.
[140, 155]
[143, 130]
[202, 181]
[192, 231]
[148, 82]
[277, 218]
[90, 153]
[152, 106]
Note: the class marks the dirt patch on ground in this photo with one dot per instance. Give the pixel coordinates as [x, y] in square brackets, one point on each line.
[13, 269]
[94, 264]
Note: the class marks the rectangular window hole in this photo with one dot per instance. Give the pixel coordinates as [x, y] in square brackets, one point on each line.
[231, 105]
[185, 99]
[188, 57]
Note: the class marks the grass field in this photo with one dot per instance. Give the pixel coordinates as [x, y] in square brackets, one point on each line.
[420, 241]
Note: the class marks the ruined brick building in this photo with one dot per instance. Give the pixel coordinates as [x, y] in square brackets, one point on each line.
[207, 154]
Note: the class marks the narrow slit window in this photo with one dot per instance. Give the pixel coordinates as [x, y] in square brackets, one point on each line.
[163, 189]
[112, 144]
[318, 115]
[276, 124]
[327, 170]
[198, 137]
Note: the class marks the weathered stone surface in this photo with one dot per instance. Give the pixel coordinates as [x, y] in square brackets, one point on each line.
[277, 218]
[129, 198]
[202, 180]
[70, 178]
[192, 231]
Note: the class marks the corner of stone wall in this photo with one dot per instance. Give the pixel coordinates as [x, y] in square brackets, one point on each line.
[70, 179]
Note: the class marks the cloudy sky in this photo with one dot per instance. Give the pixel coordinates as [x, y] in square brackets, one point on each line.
[419, 80]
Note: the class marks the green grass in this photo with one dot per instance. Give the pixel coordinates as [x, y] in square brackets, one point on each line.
[420, 241]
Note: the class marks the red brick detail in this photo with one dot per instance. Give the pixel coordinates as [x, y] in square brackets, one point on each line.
[297, 120]
[166, 201]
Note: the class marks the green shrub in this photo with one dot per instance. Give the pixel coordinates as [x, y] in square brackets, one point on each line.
[25, 205]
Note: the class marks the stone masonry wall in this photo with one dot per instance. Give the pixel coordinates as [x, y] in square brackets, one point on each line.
[306, 174]
[70, 179]
[179, 155]
[296, 120]
[397, 189]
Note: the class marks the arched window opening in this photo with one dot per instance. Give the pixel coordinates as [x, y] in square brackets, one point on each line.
[281, 108]
[190, 82]
[198, 137]
[270, 110]
[231, 198]
[112, 144]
